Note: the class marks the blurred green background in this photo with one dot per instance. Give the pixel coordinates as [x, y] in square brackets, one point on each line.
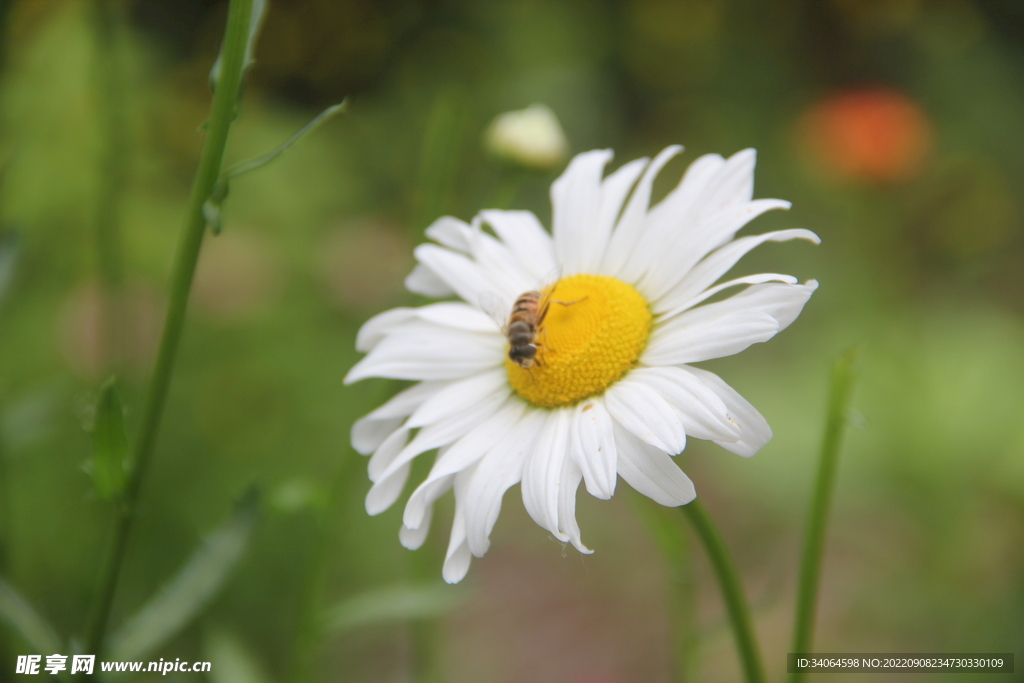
[894, 127]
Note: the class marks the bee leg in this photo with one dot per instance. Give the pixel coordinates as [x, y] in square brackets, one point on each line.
[540, 346]
[568, 303]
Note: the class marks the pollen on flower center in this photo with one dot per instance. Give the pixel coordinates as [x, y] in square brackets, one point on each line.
[586, 342]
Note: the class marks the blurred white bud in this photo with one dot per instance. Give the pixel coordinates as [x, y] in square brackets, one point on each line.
[531, 137]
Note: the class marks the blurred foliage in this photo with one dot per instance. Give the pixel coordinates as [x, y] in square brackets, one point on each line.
[892, 125]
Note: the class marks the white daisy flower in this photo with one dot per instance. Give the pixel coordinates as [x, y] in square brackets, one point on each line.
[613, 391]
[530, 137]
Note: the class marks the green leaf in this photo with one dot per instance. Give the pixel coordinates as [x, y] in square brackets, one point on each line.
[212, 206]
[191, 589]
[253, 164]
[234, 662]
[8, 257]
[20, 614]
[392, 603]
[108, 466]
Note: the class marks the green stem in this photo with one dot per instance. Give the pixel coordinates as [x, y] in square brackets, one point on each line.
[732, 591]
[225, 103]
[814, 538]
[666, 529]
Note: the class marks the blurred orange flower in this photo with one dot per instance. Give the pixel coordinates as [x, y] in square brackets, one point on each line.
[878, 135]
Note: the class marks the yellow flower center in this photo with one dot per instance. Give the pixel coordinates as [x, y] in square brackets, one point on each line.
[584, 343]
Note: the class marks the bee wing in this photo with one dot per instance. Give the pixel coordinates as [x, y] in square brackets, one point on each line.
[498, 310]
[547, 288]
[547, 285]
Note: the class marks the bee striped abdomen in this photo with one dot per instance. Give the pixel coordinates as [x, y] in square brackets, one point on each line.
[522, 329]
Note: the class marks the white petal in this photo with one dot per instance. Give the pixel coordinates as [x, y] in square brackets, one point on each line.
[463, 453]
[526, 238]
[718, 263]
[456, 562]
[734, 183]
[676, 214]
[704, 415]
[426, 351]
[758, 279]
[463, 275]
[727, 327]
[709, 338]
[614, 190]
[368, 434]
[413, 538]
[376, 328]
[429, 496]
[543, 471]
[569, 482]
[369, 431]
[451, 232]
[651, 471]
[754, 429]
[642, 411]
[422, 280]
[465, 410]
[592, 447]
[386, 452]
[448, 314]
[458, 315]
[691, 243]
[385, 492]
[458, 397]
[499, 470]
[437, 434]
[693, 186]
[499, 263]
[630, 226]
[457, 559]
[576, 208]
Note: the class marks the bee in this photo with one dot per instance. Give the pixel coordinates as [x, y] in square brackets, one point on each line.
[525, 325]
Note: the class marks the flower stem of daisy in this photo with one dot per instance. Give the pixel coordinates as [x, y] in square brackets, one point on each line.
[225, 105]
[666, 529]
[732, 591]
[814, 536]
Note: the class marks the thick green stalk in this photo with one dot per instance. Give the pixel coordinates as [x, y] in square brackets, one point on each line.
[225, 104]
[732, 591]
[814, 538]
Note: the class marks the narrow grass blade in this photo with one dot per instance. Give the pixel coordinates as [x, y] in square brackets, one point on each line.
[212, 206]
[263, 160]
[232, 661]
[669, 533]
[843, 377]
[191, 589]
[8, 257]
[23, 618]
[30, 625]
[732, 590]
[392, 603]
